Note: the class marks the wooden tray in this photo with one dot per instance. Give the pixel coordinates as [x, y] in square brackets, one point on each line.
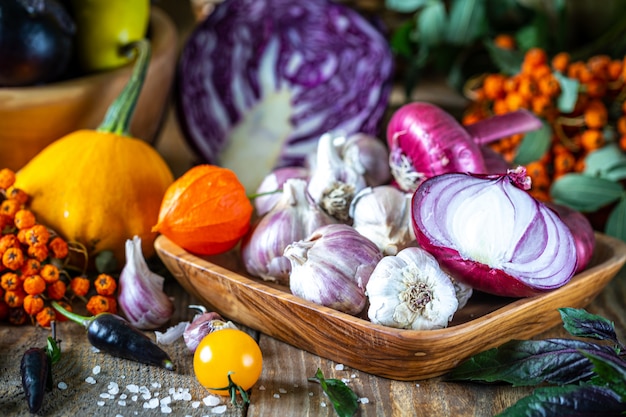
[486, 322]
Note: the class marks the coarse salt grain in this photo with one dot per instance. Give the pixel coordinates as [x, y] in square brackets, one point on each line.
[96, 370]
[90, 380]
[166, 400]
[166, 410]
[105, 395]
[153, 403]
[276, 395]
[211, 400]
[339, 367]
[122, 403]
[282, 390]
[220, 409]
[62, 385]
[262, 388]
[113, 388]
[364, 400]
[345, 380]
[100, 403]
[134, 397]
[132, 388]
[195, 404]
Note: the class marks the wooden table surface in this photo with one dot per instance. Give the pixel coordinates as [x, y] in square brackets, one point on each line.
[283, 389]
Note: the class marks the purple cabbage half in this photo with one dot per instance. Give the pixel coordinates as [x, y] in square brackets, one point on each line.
[259, 81]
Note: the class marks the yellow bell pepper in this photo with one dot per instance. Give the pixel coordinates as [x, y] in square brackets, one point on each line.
[104, 27]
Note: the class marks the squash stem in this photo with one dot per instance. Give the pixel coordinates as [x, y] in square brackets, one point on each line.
[118, 116]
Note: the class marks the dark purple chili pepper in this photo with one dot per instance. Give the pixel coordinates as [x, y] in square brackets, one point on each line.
[114, 335]
[36, 377]
[36, 370]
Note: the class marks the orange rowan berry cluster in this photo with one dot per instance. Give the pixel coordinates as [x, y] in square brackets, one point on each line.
[32, 264]
[536, 87]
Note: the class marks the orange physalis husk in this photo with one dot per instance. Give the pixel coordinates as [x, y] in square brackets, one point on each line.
[206, 211]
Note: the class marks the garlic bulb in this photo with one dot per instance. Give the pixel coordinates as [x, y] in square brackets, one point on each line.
[383, 215]
[410, 291]
[333, 183]
[368, 156]
[332, 266]
[141, 297]
[292, 218]
[269, 191]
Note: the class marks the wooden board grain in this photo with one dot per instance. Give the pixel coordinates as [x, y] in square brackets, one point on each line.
[486, 322]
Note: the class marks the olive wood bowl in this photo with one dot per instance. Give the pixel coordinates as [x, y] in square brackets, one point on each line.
[486, 321]
[33, 117]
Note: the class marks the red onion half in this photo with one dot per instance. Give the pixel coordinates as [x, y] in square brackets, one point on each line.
[424, 141]
[489, 233]
[583, 232]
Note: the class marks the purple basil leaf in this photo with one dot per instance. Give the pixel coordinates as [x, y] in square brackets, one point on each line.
[580, 323]
[610, 371]
[532, 362]
[570, 401]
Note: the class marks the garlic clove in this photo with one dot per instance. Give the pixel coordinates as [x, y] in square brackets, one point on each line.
[141, 297]
[410, 291]
[202, 325]
[269, 191]
[383, 215]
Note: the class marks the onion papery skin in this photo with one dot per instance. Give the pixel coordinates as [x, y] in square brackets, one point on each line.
[492, 235]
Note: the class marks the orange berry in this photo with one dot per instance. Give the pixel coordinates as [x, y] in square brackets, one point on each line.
[33, 304]
[560, 61]
[592, 139]
[56, 290]
[98, 304]
[7, 178]
[17, 195]
[615, 69]
[505, 41]
[595, 115]
[46, 316]
[58, 247]
[564, 162]
[596, 88]
[540, 105]
[598, 65]
[515, 101]
[80, 286]
[10, 281]
[533, 58]
[105, 284]
[622, 142]
[13, 258]
[9, 207]
[34, 285]
[493, 86]
[527, 88]
[549, 86]
[621, 125]
[50, 273]
[24, 219]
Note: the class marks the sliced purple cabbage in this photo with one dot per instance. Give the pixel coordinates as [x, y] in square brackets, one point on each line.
[259, 81]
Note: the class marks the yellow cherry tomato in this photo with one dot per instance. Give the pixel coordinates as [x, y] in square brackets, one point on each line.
[224, 352]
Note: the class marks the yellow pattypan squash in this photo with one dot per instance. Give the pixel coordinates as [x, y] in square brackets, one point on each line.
[101, 187]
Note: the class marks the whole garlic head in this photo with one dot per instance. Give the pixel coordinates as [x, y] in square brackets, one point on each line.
[410, 291]
[383, 215]
[332, 267]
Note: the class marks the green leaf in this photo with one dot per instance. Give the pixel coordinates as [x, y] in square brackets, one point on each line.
[53, 350]
[578, 322]
[531, 362]
[611, 372]
[105, 262]
[432, 22]
[570, 400]
[534, 145]
[601, 162]
[344, 400]
[616, 222]
[585, 193]
[467, 21]
[405, 6]
[507, 61]
[569, 93]
[400, 41]
[534, 34]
